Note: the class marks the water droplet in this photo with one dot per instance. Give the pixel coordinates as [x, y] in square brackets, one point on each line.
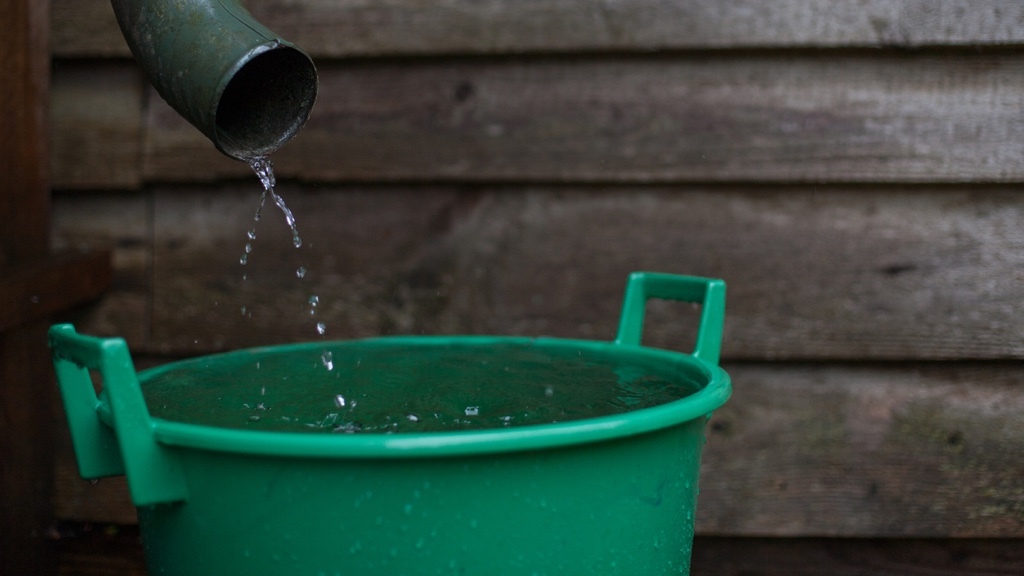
[301, 272]
[94, 481]
[328, 360]
[339, 401]
[251, 234]
[314, 301]
[412, 417]
[349, 428]
[472, 410]
[243, 259]
[248, 247]
[549, 391]
[254, 418]
[321, 328]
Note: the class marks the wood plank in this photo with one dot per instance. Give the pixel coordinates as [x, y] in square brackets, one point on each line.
[106, 550]
[356, 246]
[26, 391]
[749, 117]
[96, 125]
[330, 28]
[814, 273]
[33, 293]
[855, 557]
[120, 223]
[878, 450]
[889, 450]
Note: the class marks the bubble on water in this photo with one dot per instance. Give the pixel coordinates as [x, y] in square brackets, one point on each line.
[321, 328]
[472, 410]
[328, 359]
[301, 272]
[349, 428]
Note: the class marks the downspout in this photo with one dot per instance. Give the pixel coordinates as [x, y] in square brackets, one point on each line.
[247, 89]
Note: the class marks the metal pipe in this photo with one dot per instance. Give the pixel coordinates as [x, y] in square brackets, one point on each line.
[243, 86]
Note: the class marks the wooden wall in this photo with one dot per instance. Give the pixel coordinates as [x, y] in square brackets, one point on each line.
[853, 170]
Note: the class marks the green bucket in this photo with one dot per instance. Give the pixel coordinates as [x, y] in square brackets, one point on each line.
[419, 455]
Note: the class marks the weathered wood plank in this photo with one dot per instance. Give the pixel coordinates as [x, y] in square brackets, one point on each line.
[33, 293]
[867, 450]
[725, 117]
[96, 125]
[121, 224]
[108, 550]
[813, 272]
[855, 557]
[925, 450]
[356, 245]
[26, 423]
[329, 28]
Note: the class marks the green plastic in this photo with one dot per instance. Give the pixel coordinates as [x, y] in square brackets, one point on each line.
[613, 494]
[246, 88]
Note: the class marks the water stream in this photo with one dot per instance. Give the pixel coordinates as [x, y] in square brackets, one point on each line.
[264, 170]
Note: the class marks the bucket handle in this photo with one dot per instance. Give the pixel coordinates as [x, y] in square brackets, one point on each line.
[709, 293]
[130, 448]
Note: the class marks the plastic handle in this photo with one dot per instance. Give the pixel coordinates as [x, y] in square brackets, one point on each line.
[710, 294]
[154, 475]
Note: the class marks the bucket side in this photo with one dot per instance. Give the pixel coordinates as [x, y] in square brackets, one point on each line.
[620, 507]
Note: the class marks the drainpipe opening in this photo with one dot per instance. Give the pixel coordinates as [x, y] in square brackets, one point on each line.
[266, 103]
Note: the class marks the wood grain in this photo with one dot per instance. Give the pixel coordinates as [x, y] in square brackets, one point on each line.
[33, 293]
[911, 450]
[327, 28]
[817, 273]
[105, 550]
[855, 557]
[26, 392]
[96, 125]
[121, 224]
[693, 118]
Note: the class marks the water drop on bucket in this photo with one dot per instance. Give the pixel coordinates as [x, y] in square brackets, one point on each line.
[321, 328]
[301, 272]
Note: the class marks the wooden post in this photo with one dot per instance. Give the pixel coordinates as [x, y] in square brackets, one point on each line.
[26, 415]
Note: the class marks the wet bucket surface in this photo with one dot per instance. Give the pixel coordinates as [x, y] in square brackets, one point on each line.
[411, 455]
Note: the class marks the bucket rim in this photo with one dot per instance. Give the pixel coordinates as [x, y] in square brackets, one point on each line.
[715, 391]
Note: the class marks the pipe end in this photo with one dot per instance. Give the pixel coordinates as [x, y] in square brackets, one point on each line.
[265, 103]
